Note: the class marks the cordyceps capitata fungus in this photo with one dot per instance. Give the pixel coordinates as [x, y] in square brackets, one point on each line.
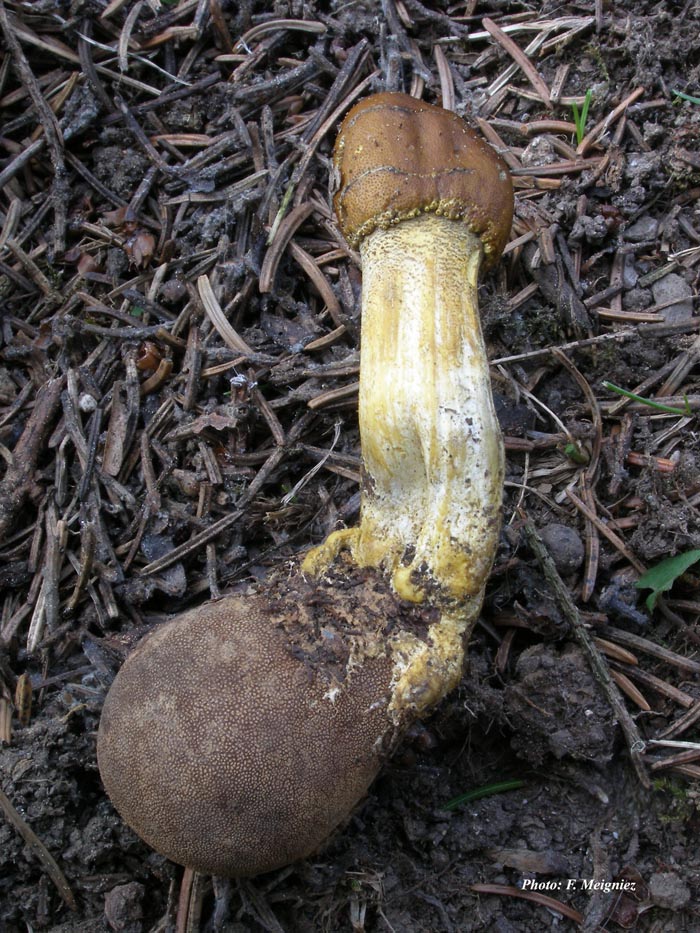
[237, 736]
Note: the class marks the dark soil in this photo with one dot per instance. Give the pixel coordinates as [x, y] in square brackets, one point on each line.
[153, 458]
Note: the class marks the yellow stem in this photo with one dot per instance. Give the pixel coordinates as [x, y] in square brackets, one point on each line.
[431, 445]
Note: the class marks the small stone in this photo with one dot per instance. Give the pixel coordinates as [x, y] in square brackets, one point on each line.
[641, 165]
[673, 287]
[564, 545]
[630, 199]
[630, 275]
[591, 229]
[652, 131]
[539, 151]
[668, 890]
[117, 263]
[173, 290]
[123, 907]
[646, 228]
[636, 299]
[87, 403]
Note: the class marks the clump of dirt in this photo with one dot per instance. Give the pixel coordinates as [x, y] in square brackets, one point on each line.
[556, 709]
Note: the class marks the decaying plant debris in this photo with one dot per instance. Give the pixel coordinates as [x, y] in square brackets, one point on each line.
[178, 382]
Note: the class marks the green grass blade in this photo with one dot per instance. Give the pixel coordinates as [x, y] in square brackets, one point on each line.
[693, 100]
[646, 401]
[487, 790]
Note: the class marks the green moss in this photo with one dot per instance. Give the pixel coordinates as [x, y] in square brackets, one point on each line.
[680, 804]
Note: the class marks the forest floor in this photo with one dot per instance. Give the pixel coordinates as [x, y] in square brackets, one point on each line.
[178, 415]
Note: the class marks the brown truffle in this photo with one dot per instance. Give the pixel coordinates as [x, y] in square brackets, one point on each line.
[234, 747]
[399, 157]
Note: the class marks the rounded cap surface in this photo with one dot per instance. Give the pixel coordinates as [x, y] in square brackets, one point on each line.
[398, 157]
[222, 746]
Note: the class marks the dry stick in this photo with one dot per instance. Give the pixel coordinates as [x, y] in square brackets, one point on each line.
[285, 231]
[322, 342]
[447, 85]
[208, 534]
[216, 315]
[20, 160]
[692, 754]
[183, 901]
[565, 167]
[626, 334]
[601, 672]
[659, 686]
[52, 131]
[518, 56]
[685, 363]
[88, 67]
[319, 281]
[194, 544]
[535, 897]
[499, 86]
[140, 136]
[17, 481]
[629, 640]
[273, 25]
[588, 477]
[190, 895]
[273, 422]
[333, 395]
[39, 849]
[257, 904]
[592, 543]
[592, 404]
[6, 714]
[499, 145]
[683, 723]
[312, 141]
[33, 271]
[614, 539]
[629, 689]
[341, 94]
[691, 771]
[593, 135]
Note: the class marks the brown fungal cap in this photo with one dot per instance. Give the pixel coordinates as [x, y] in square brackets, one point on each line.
[399, 157]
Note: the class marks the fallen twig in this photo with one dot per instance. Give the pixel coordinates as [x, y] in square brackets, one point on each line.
[17, 481]
[518, 56]
[601, 671]
[651, 648]
[544, 900]
[47, 120]
[593, 135]
[39, 849]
